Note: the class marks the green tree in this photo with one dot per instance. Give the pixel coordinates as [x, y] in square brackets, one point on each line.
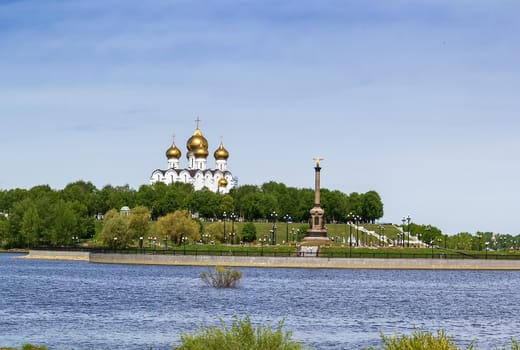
[335, 204]
[227, 204]
[64, 224]
[30, 228]
[355, 204]
[242, 204]
[115, 231]
[170, 197]
[428, 233]
[204, 202]
[251, 206]
[139, 222]
[461, 241]
[85, 220]
[249, 232]
[305, 203]
[146, 196]
[176, 225]
[117, 197]
[371, 206]
[82, 192]
[216, 231]
[4, 230]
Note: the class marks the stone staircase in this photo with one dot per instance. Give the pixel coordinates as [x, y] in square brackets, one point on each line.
[308, 251]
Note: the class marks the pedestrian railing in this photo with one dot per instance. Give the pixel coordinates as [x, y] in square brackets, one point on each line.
[322, 253]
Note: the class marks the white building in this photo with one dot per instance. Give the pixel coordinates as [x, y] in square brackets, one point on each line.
[197, 173]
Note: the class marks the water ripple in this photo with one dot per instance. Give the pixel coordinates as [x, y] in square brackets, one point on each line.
[76, 305]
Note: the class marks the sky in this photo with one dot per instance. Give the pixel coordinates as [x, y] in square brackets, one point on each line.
[417, 100]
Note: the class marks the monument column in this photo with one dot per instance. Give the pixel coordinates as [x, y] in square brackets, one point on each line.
[317, 231]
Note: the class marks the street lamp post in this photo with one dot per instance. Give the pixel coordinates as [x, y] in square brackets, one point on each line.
[487, 248]
[403, 221]
[287, 220]
[262, 241]
[350, 216]
[357, 230]
[141, 243]
[273, 230]
[233, 218]
[184, 239]
[408, 218]
[224, 215]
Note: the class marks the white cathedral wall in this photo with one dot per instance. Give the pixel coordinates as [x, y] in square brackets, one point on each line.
[173, 164]
[221, 165]
[202, 178]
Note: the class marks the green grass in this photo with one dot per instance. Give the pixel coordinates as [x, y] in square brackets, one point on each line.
[334, 249]
[241, 334]
[420, 340]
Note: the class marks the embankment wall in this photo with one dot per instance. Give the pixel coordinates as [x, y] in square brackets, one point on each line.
[291, 262]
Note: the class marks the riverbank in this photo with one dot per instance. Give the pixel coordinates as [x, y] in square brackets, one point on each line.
[286, 262]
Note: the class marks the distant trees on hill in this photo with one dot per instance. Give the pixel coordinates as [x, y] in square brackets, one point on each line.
[44, 216]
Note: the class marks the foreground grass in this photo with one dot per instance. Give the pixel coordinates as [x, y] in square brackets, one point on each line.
[27, 347]
[241, 334]
[424, 340]
[420, 340]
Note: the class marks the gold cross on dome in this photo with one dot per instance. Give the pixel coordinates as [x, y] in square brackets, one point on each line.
[197, 121]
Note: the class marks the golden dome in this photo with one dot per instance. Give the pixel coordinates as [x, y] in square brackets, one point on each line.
[173, 152]
[201, 152]
[221, 153]
[197, 141]
[222, 182]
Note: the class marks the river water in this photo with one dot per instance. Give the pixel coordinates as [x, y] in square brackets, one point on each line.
[78, 305]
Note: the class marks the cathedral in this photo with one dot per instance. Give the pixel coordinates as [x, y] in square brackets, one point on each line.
[197, 173]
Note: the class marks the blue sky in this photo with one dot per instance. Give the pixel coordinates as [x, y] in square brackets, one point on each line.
[417, 100]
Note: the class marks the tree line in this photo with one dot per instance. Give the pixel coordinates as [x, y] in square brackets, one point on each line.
[45, 216]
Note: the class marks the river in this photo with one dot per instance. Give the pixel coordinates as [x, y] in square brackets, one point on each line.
[80, 305]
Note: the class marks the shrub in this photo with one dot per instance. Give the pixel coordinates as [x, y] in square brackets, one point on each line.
[420, 340]
[240, 335]
[27, 347]
[222, 277]
[249, 232]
